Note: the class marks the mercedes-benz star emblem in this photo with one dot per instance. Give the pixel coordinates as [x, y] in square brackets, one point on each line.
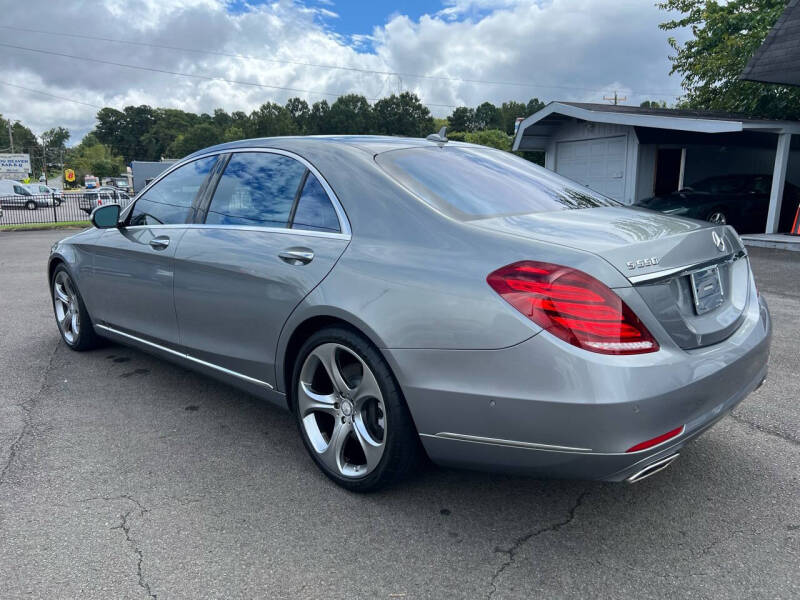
[718, 241]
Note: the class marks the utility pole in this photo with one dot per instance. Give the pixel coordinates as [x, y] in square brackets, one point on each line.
[10, 136]
[44, 160]
[616, 99]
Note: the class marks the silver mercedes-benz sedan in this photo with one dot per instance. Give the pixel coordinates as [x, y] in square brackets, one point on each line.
[405, 297]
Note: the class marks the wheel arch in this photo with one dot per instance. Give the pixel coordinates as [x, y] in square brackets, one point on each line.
[293, 338]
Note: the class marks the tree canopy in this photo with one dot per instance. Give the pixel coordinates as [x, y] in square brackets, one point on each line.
[725, 36]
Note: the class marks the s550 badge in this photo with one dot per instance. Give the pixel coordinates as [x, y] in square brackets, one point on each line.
[642, 263]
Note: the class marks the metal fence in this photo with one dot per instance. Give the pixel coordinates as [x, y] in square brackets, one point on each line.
[52, 208]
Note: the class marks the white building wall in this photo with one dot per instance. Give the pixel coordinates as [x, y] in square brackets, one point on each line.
[646, 171]
[585, 131]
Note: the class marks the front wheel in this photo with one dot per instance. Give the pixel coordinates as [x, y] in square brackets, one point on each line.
[72, 318]
[30, 205]
[351, 413]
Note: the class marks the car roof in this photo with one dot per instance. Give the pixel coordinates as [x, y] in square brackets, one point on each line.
[372, 144]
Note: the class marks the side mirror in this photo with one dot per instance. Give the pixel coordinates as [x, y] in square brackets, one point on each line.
[106, 216]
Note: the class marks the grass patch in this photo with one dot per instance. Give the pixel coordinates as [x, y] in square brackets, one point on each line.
[41, 226]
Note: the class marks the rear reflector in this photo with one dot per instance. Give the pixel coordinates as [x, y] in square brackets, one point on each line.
[657, 440]
[573, 306]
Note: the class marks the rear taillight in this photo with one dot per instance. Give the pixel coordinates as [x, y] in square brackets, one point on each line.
[573, 306]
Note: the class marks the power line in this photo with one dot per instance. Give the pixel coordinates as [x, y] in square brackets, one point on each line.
[168, 72]
[329, 66]
[49, 94]
[189, 75]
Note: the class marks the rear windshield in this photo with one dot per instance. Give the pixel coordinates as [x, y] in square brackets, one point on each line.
[474, 183]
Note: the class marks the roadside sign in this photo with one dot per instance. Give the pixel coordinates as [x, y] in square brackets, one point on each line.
[69, 175]
[15, 163]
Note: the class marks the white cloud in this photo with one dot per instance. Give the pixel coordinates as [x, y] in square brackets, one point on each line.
[571, 49]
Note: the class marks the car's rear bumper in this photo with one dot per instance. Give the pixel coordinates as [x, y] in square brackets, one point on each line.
[546, 408]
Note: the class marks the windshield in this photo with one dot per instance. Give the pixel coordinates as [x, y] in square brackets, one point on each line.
[472, 183]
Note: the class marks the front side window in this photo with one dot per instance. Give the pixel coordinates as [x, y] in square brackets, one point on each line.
[170, 200]
[257, 188]
[472, 183]
[314, 210]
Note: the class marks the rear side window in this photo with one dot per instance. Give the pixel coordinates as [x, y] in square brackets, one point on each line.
[170, 200]
[472, 183]
[314, 209]
[257, 188]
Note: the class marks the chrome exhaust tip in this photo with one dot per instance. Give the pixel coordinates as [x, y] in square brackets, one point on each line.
[652, 468]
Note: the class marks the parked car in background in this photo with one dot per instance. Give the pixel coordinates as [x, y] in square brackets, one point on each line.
[42, 189]
[741, 201]
[399, 293]
[121, 183]
[91, 182]
[14, 194]
[103, 195]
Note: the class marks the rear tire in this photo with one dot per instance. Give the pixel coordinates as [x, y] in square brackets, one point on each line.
[350, 412]
[30, 205]
[72, 318]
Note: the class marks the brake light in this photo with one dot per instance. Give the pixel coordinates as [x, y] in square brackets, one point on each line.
[657, 440]
[573, 306]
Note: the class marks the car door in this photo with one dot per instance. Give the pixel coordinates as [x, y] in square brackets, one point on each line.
[271, 231]
[133, 268]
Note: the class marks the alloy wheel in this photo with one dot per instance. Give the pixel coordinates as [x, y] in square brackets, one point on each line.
[342, 410]
[66, 305]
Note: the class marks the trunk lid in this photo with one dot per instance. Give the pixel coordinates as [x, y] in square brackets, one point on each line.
[693, 276]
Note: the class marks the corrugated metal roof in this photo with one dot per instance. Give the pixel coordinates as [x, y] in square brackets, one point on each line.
[778, 58]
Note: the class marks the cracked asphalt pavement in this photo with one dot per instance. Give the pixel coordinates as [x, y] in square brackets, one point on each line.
[123, 476]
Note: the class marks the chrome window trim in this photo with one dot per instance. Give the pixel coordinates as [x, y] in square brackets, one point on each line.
[281, 230]
[344, 222]
[185, 356]
[685, 269]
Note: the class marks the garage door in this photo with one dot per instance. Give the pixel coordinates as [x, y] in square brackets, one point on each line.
[598, 164]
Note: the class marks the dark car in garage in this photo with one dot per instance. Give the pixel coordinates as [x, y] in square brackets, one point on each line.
[738, 200]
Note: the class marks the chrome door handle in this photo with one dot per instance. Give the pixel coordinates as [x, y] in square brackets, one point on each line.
[296, 256]
[159, 243]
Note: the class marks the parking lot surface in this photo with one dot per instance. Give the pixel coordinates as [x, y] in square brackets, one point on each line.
[123, 476]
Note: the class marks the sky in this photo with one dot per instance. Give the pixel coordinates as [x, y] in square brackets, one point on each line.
[178, 54]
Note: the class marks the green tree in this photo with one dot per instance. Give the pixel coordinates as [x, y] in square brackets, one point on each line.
[56, 137]
[169, 123]
[300, 114]
[350, 113]
[462, 119]
[509, 111]
[124, 130]
[653, 104]
[233, 133]
[402, 115]
[487, 116]
[494, 138]
[534, 106]
[318, 119]
[725, 37]
[196, 138]
[92, 157]
[269, 120]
